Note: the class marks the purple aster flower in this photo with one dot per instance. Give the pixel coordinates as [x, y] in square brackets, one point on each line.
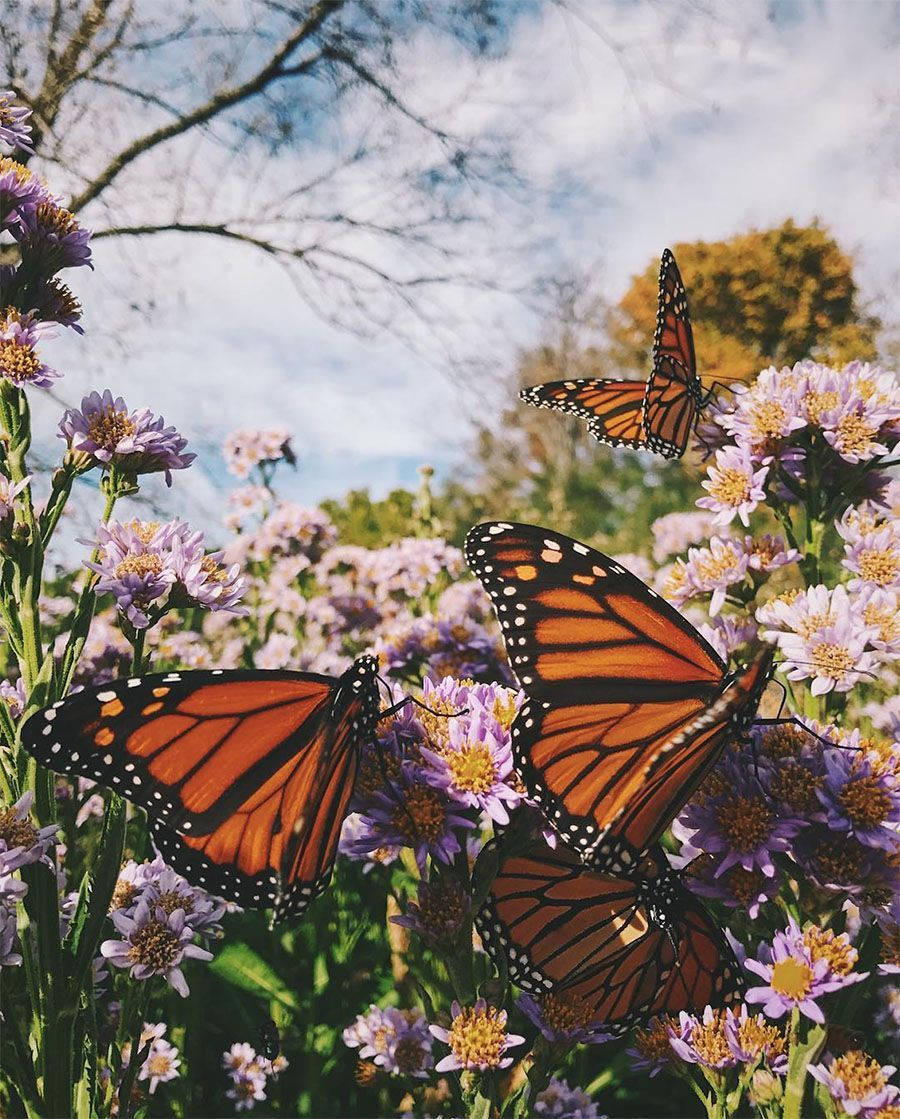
[477, 1038]
[474, 767]
[14, 127]
[12, 890]
[799, 968]
[651, 1051]
[413, 813]
[874, 559]
[729, 633]
[860, 795]
[397, 1041]
[713, 570]
[52, 238]
[857, 1082]
[135, 565]
[18, 190]
[136, 442]
[19, 361]
[767, 412]
[155, 943]
[14, 696]
[736, 888]
[751, 1037]
[734, 485]
[247, 1088]
[703, 1041]
[767, 553]
[162, 1062]
[21, 843]
[169, 891]
[737, 823]
[880, 611]
[202, 579]
[249, 447]
[564, 1018]
[559, 1101]
[439, 912]
[9, 491]
[54, 302]
[859, 429]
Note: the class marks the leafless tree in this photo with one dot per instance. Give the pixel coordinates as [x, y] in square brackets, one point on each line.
[168, 118]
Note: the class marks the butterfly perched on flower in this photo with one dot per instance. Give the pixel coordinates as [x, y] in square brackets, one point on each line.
[613, 948]
[628, 707]
[656, 415]
[245, 775]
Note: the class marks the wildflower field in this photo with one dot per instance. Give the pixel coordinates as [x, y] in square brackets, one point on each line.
[128, 988]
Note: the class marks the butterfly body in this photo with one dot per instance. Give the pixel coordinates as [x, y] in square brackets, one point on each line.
[245, 775]
[658, 415]
[627, 705]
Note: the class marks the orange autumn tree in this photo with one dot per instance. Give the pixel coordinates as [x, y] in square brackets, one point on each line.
[769, 296]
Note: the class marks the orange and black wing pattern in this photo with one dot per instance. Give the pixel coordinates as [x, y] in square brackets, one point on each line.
[619, 948]
[612, 674]
[245, 776]
[673, 392]
[613, 408]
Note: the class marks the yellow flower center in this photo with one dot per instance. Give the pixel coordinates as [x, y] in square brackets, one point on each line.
[424, 811]
[441, 909]
[766, 420]
[214, 571]
[860, 1074]
[366, 1073]
[838, 860]
[16, 832]
[791, 978]
[123, 895]
[865, 801]
[17, 361]
[146, 564]
[837, 950]
[675, 580]
[818, 402]
[154, 945]
[731, 486]
[746, 822]
[709, 1039]
[504, 709]
[172, 900]
[566, 1013]
[437, 727]
[713, 567]
[653, 1042]
[472, 767]
[831, 660]
[143, 530]
[371, 778]
[55, 219]
[477, 1037]
[108, 428]
[885, 620]
[757, 1038]
[796, 786]
[382, 1038]
[786, 741]
[855, 434]
[812, 622]
[19, 169]
[159, 1064]
[878, 567]
[892, 1111]
[745, 886]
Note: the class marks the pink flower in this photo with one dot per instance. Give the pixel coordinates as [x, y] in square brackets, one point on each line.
[714, 569]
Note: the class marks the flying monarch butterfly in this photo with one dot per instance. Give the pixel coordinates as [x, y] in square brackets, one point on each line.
[621, 947]
[627, 707]
[659, 414]
[245, 775]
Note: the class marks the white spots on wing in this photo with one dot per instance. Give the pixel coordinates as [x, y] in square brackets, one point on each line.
[105, 697]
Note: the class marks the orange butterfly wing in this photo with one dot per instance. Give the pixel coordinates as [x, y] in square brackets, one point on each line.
[612, 407]
[245, 775]
[674, 392]
[612, 674]
[626, 948]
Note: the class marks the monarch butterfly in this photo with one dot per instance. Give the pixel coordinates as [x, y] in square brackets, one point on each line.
[627, 707]
[658, 415]
[621, 947]
[245, 775]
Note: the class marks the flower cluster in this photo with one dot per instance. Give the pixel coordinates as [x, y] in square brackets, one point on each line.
[15, 131]
[249, 1073]
[162, 1061]
[397, 1042]
[248, 448]
[150, 567]
[477, 1038]
[158, 915]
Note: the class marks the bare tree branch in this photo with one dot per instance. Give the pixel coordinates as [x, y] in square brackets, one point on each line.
[218, 103]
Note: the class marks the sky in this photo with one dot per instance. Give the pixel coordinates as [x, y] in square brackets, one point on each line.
[633, 126]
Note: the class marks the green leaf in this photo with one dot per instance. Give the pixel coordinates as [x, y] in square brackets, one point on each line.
[239, 965]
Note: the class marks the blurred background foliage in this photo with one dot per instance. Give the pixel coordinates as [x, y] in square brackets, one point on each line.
[764, 297]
